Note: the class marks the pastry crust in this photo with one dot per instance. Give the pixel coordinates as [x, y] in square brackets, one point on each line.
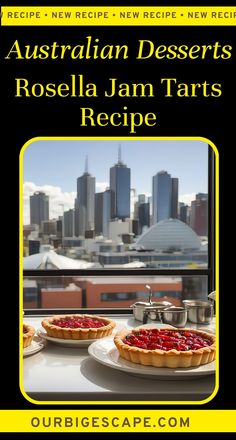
[28, 334]
[56, 331]
[169, 359]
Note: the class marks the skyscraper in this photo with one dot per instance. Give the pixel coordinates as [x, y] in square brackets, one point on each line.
[120, 189]
[69, 223]
[59, 227]
[161, 196]
[86, 200]
[39, 208]
[199, 214]
[76, 218]
[183, 212]
[174, 197]
[98, 212]
[164, 196]
[143, 216]
[102, 212]
[106, 212]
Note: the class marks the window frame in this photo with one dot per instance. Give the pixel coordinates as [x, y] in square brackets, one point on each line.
[209, 271]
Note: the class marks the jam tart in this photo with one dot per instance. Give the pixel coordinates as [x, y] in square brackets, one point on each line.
[78, 327]
[28, 334]
[166, 347]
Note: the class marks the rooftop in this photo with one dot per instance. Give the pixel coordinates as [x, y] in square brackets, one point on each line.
[169, 234]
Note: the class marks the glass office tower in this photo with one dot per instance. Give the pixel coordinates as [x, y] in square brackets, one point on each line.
[161, 196]
[86, 201]
[120, 190]
[39, 208]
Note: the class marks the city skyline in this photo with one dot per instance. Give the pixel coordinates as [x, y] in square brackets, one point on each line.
[40, 174]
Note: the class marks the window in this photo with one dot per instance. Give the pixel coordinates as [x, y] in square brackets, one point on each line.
[97, 209]
[98, 292]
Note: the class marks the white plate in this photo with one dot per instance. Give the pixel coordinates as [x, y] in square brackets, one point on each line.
[107, 354]
[36, 345]
[65, 342]
[41, 332]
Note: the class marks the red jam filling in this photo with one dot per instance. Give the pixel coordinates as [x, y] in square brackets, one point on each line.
[25, 329]
[75, 322]
[153, 339]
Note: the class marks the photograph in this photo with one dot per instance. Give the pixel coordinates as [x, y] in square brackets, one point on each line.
[118, 285]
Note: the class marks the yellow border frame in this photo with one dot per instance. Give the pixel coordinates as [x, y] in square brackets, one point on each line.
[140, 138]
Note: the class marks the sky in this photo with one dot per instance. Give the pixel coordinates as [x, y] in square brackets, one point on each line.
[53, 167]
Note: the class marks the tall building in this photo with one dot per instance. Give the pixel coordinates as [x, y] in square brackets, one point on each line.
[199, 214]
[76, 219]
[102, 212]
[98, 212]
[183, 212]
[143, 216]
[39, 208]
[174, 197]
[68, 219]
[106, 212]
[120, 189]
[86, 201]
[76, 222]
[59, 227]
[141, 199]
[161, 196]
[164, 196]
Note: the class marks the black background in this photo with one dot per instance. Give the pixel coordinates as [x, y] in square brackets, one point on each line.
[22, 119]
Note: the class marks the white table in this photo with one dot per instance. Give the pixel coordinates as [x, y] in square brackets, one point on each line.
[69, 374]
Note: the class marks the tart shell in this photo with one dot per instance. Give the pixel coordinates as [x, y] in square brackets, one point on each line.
[55, 331]
[169, 359]
[28, 336]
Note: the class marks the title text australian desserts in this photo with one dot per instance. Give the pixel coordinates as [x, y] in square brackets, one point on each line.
[93, 48]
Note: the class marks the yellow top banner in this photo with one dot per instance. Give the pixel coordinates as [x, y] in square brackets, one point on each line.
[117, 16]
